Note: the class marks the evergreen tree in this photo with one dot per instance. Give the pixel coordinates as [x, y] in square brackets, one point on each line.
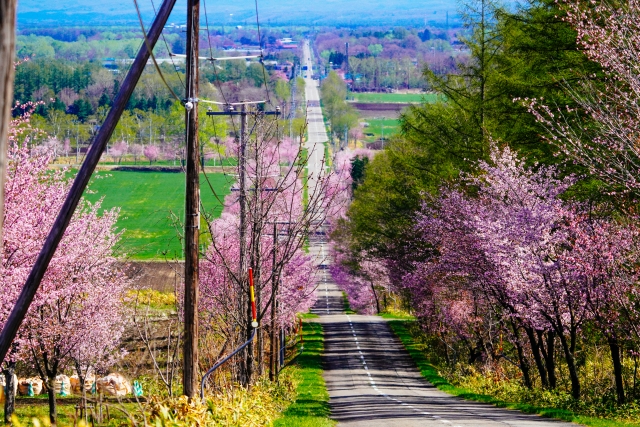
[525, 53]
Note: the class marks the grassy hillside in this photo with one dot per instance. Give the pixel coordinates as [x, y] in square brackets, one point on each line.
[147, 200]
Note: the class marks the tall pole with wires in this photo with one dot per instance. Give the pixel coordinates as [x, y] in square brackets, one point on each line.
[190, 380]
[274, 309]
[242, 159]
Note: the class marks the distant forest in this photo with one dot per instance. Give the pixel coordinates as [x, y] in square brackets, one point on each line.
[74, 73]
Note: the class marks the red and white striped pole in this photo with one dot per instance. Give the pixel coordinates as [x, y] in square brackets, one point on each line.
[254, 315]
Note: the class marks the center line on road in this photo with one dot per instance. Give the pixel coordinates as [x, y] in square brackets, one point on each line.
[375, 387]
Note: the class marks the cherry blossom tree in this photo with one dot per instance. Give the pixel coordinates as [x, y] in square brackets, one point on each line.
[602, 259]
[118, 150]
[602, 131]
[66, 147]
[279, 215]
[136, 151]
[79, 306]
[152, 153]
[516, 257]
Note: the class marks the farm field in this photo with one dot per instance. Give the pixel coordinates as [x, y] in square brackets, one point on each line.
[376, 126]
[390, 98]
[147, 201]
[67, 412]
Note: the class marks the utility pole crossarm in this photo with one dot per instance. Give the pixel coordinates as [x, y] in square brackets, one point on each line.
[229, 104]
[240, 113]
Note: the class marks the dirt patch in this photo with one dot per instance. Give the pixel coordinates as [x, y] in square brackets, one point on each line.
[369, 110]
[161, 276]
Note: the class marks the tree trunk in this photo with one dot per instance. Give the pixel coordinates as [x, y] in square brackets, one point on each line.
[617, 369]
[7, 57]
[548, 355]
[373, 289]
[250, 354]
[10, 396]
[53, 408]
[260, 351]
[571, 366]
[535, 349]
[524, 363]
[524, 367]
[273, 357]
[82, 379]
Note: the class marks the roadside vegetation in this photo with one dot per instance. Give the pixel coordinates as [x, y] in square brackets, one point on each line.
[489, 219]
[470, 384]
[311, 405]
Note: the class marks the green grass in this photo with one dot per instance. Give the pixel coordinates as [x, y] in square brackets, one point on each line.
[428, 371]
[347, 306]
[311, 408]
[66, 413]
[391, 126]
[327, 156]
[396, 315]
[147, 200]
[384, 98]
[309, 316]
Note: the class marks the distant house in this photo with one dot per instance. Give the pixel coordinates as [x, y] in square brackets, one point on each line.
[286, 43]
[283, 66]
[111, 64]
[269, 64]
[458, 45]
[175, 26]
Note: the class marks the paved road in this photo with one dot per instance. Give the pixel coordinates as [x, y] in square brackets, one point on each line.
[372, 380]
[316, 129]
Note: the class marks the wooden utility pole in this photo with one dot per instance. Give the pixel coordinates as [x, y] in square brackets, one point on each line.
[7, 57]
[80, 183]
[245, 306]
[190, 381]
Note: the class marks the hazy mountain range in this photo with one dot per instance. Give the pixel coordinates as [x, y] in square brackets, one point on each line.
[242, 12]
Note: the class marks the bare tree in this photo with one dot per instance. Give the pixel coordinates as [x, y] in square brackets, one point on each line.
[278, 214]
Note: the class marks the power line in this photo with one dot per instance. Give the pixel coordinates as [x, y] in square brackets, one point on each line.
[264, 71]
[169, 50]
[153, 58]
[215, 70]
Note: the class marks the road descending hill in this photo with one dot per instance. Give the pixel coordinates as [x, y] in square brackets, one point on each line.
[371, 379]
